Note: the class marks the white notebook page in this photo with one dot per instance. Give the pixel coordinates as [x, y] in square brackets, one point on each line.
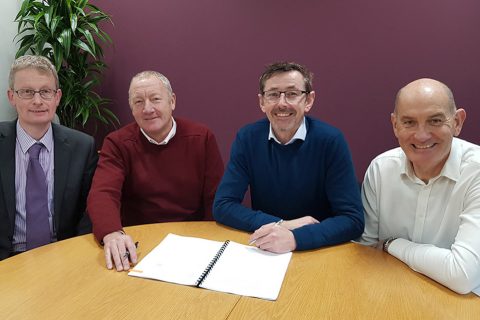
[177, 259]
[241, 269]
[248, 271]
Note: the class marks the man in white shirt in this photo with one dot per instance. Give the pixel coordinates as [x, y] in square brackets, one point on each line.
[422, 200]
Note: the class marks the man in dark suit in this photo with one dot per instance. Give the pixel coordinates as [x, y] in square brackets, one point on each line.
[36, 211]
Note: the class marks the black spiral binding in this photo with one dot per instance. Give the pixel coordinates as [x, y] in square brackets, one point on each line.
[212, 263]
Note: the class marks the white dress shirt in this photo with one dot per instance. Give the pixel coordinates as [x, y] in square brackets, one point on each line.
[300, 134]
[169, 136]
[437, 224]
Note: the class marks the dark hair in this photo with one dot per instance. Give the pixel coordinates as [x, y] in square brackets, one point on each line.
[281, 67]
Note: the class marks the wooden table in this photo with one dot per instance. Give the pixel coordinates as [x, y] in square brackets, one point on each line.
[68, 280]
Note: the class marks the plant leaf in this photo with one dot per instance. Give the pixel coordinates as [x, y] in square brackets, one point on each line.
[54, 24]
[57, 56]
[81, 4]
[73, 22]
[48, 15]
[82, 45]
[65, 39]
[89, 38]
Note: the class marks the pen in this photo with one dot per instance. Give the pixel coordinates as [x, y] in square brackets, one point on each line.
[127, 253]
[276, 224]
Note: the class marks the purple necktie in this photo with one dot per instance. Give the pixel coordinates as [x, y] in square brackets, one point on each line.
[36, 201]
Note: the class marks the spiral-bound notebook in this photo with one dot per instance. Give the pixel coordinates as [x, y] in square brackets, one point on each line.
[221, 266]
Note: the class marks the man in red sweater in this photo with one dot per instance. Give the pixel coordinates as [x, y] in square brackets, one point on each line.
[157, 169]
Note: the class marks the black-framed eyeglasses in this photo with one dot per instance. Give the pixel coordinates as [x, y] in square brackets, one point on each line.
[291, 96]
[46, 94]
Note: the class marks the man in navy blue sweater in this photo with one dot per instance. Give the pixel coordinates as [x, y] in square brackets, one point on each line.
[303, 188]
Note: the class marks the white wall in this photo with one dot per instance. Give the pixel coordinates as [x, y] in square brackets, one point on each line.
[8, 30]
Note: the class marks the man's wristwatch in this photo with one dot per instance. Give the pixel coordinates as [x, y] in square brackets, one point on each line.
[387, 243]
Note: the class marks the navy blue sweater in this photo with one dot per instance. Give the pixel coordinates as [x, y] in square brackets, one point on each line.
[314, 177]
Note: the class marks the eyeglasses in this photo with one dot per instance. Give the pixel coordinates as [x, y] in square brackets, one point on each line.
[46, 94]
[291, 96]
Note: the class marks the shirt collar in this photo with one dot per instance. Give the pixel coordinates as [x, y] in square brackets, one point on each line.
[299, 135]
[450, 170]
[167, 138]
[26, 141]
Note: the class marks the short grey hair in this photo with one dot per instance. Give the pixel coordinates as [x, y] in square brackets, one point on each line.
[152, 74]
[39, 63]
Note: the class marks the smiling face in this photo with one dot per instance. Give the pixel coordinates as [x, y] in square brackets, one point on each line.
[152, 105]
[35, 114]
[425, 122]
[286, 117]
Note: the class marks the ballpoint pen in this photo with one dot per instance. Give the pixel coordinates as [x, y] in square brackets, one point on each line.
[276, 224]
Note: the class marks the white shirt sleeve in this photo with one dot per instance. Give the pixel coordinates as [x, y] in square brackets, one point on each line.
[370, 236]
[458, 268]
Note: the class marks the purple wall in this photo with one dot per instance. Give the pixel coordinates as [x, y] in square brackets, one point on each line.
[361, 53]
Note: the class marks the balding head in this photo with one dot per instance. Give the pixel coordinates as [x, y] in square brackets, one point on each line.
[427, 90]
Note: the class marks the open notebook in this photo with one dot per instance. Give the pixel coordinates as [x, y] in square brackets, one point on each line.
[221, 266]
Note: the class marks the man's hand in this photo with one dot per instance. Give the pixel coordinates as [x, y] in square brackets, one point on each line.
[120, 247]
[274, 237]
[300, 222]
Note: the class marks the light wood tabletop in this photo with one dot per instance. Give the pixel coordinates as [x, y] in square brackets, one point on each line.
[68, 280]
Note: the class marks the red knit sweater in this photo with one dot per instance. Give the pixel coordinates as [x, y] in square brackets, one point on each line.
[137, 182]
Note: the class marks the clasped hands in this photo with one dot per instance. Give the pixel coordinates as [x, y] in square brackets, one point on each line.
[278, 237]
[120, 250]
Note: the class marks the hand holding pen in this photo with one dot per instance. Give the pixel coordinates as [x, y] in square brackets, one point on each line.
[274, 237]
[252, 242]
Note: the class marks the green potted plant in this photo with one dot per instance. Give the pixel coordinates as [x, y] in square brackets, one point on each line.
[68, 33]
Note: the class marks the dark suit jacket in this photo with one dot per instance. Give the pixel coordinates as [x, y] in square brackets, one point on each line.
[75, 160]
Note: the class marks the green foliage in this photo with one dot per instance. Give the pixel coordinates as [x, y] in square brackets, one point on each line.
[68, 33]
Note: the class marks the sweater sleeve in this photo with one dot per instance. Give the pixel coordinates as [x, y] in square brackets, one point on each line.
[104, 200]
[343, 194]
[457, 268]
[227, 207]
[213, 174]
